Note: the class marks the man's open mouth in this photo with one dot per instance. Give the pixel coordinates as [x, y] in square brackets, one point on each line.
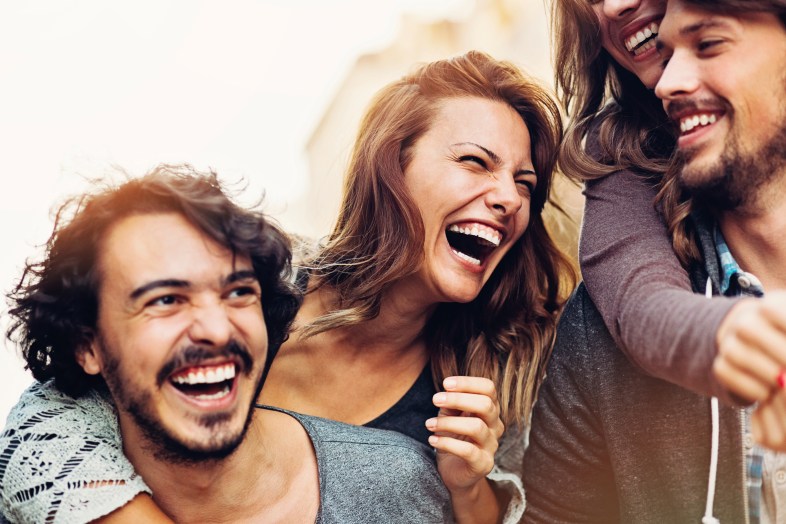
[473, 242]
[209, 382]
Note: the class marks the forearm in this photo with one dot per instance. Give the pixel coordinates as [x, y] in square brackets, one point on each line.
[481, 504]
[68, 452]
[642, 291]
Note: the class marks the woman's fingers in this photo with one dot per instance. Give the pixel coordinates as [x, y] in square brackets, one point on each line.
[752, 346]
[470, 429]
[479, 385]
[471, 395]
[478, 460]
[768, 422]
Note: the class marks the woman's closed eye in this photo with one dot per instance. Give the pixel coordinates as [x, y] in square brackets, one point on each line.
[526, 185]
[475, 160]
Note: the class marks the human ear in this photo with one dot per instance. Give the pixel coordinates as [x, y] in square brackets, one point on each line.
[88, 356]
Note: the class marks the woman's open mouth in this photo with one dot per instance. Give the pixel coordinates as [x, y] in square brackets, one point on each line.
[473, 242]
[642, 40]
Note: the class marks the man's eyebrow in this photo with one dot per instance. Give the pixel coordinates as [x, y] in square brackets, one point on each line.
[692, 29]
[243, 274]
[706, 23]
[491, 154]
[166, 282]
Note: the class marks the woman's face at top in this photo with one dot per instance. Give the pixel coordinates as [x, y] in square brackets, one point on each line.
[628, 30]
[471, 176]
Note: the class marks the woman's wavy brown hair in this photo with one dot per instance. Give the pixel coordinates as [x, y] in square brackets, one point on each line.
[599, 94]
[506, 333]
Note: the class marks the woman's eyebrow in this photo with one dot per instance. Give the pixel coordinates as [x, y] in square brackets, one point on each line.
[491, 154]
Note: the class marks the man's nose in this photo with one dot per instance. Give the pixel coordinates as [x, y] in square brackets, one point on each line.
[210, 324]
[680, 78]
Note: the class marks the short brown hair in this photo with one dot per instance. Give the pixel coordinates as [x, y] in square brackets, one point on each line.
[55, 304]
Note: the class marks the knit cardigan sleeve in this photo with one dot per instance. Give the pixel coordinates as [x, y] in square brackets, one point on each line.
[61, 459]
[641, 290]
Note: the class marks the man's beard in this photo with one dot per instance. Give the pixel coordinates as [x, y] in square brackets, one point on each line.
[737, 179]
[160, 441]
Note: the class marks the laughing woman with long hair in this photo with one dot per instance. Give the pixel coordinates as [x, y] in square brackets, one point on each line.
[431, 307]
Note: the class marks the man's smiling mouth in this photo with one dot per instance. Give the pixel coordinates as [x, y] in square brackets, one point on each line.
[691, 122]
[209, 382]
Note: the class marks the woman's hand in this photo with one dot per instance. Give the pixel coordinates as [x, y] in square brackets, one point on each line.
[767, 422]
[466, 436]
[751, 344]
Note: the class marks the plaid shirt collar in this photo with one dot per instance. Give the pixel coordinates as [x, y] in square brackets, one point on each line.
[734, 281]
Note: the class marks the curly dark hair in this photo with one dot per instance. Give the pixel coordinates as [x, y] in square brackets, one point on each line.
[54, 306]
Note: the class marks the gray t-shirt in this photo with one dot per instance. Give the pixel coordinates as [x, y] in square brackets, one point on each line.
[55, 468]
[372, 475]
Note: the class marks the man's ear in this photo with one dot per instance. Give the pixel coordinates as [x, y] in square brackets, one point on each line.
[89, 357]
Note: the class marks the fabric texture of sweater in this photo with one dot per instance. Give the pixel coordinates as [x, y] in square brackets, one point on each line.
[639, 287]
[612, 444]
[365, 475]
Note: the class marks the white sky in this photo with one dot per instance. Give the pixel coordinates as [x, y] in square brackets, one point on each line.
[233, 85]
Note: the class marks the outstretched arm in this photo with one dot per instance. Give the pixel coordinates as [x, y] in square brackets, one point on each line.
[61, 459]
[642, 291]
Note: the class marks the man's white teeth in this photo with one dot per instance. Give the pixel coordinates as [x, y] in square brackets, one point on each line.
[483, 232]
[211, 376]
[688, 123]
[212, 396]
[466, 257]
[642, 35]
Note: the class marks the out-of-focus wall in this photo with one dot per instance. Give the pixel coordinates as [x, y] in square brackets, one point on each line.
[507, 29]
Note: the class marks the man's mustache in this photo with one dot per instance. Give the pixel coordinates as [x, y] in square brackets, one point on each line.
[195, 355]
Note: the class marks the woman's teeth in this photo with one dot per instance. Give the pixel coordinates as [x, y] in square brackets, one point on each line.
[486, 233]
[646, 34]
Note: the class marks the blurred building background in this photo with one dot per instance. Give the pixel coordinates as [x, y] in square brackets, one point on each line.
[265, 91]
[512, 30]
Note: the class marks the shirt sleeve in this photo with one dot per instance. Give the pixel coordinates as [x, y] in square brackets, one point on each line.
[61, 459]
[642, 292]
[507, 472]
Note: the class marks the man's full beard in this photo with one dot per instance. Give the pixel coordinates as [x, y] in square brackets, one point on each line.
[160, 441]
[737, 179]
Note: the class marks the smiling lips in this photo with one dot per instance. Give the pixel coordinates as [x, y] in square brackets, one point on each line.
[209, 382]
[473, 242]
[689, 123]
[642, 40]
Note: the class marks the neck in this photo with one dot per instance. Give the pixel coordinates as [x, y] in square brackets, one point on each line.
[252, 483]
[757, 239]
[397, 330]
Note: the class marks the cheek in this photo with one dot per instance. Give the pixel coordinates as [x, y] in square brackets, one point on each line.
[522, 219]
[250, 323]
